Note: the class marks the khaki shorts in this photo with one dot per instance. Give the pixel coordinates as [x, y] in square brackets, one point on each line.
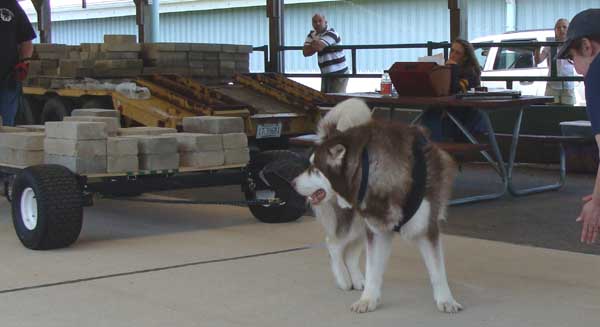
[561, 96]
[330, 83]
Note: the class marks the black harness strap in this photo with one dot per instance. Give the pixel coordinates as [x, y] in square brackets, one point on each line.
[364, 179]
[419, 181]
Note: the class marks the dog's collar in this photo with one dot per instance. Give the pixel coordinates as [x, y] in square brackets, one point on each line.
[419, 180]
[364, 179]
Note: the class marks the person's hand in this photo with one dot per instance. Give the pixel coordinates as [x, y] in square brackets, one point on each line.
[317, 45]
[451, 62]
[586, 198]
[21, 70]
[590, 218]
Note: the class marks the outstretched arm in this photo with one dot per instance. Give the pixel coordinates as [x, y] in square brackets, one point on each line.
[590, 213]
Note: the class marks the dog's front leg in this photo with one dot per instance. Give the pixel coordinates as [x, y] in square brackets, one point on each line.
[338, 267]
[352, 258]
[379, 246]
[433, 255]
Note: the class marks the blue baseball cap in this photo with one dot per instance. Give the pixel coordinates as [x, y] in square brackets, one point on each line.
[584, 24]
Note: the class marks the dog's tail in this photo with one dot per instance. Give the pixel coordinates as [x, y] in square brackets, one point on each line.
[345, 115]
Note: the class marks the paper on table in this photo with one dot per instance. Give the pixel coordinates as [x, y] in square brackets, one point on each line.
[438, 59]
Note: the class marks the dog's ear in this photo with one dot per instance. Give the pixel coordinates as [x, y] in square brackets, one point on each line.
[336, 155]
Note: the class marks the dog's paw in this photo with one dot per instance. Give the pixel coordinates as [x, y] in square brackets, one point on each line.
[449, 306]
[364, 305]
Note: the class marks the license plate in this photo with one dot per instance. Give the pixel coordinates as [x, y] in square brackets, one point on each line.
[268, 130]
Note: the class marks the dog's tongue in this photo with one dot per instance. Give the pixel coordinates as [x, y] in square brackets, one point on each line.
[317, 197]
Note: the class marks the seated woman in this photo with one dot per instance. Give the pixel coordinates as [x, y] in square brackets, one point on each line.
[466, 74]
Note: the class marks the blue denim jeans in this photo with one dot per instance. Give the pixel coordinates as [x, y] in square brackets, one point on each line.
[9, 103]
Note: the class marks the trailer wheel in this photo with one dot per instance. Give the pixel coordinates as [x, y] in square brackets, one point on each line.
[55, 109]
[97, 103]
[47, 207]
[257, 188]
[28, 112]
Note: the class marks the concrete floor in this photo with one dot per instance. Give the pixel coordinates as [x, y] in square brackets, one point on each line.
[139, 264]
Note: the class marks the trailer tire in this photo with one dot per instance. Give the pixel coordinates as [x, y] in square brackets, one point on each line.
[97, 103]
[28, 111]
[295, 204]
[47, 207]
[56, 109]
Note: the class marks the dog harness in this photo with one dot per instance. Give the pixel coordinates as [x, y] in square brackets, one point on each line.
[419, 180]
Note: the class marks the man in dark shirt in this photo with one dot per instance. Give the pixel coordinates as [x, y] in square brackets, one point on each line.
[16, 34]
[582, 48]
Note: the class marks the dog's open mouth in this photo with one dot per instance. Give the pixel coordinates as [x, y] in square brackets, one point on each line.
[317, 197]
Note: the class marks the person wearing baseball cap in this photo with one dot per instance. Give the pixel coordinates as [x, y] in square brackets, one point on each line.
[582, 47]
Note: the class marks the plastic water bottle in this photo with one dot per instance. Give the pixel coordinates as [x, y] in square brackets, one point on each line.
[386, 84]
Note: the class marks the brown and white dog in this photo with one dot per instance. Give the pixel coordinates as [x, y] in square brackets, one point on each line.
[332, 185]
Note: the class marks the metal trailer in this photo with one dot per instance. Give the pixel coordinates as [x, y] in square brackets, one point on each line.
[47, 200]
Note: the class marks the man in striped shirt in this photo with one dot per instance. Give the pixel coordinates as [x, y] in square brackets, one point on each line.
[331, 62]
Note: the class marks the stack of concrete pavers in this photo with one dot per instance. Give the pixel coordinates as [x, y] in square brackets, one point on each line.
[146, 131]
[79, 146]
[196, 59]
[22, 149]
[157, 152]
[121, 53]
[200, 150]
[231, 130]
[122, 154]
[11, 129]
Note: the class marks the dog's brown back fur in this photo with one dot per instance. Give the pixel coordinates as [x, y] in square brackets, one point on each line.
[390, 171]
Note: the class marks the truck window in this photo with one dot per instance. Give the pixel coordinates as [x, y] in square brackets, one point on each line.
[514, 58]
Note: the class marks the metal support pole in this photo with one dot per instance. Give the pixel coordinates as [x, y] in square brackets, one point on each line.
[511, 15]
[155, 21]
[459, 25]
[276, 39]
[42, 8]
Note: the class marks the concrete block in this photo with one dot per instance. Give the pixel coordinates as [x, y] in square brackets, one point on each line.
[118, 64]
[213, 125]
[21, 157]
[205, 47]
[76, 130]
[120, 38]
[75, 148]
[194, 142]
[227, 56]
[158, 161]
[146, 131]
[237, 156]
[96, 113]
[10, 129]
[68, 67]
[132, 47]
[122, 146]
[90, 47]
[33, 128]
[121, 55]
[122, 164]
[230, 48]
[150, 144]
[49, 47]
[112, 124]
[23, 141]
[35, 67]
[235, 141]
[202, 159]
[94, 165]
[166, 70]
[244, 48]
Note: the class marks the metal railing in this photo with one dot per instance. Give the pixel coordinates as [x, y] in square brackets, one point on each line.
[431, 46]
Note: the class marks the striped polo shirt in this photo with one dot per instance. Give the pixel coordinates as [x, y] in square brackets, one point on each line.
[330, 61]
